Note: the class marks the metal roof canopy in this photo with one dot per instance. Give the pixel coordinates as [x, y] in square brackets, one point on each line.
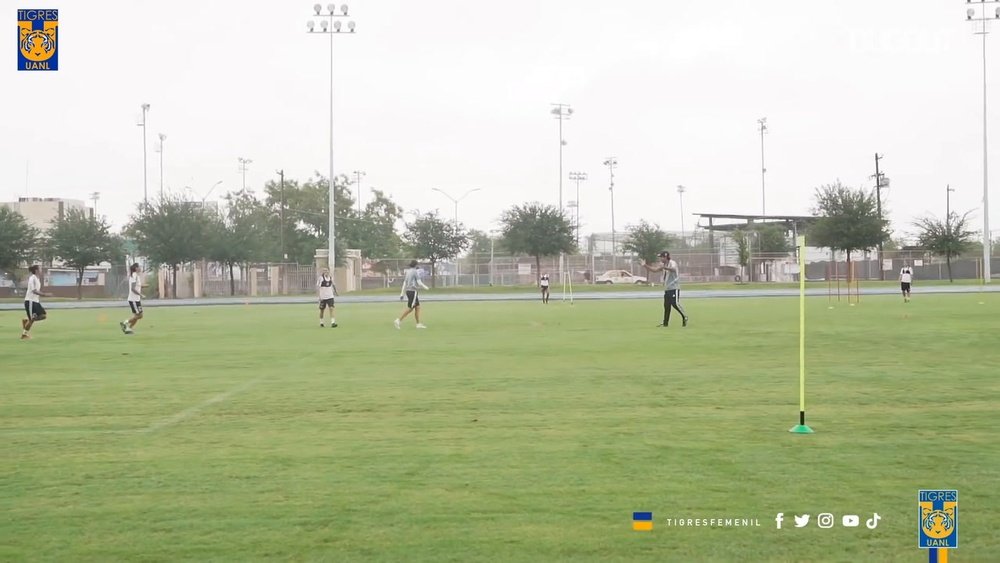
[792, 221]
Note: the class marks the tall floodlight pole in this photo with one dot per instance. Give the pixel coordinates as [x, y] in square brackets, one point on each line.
[357, 182]
[947, 207]
[162, 138]
[561, 112]
[456, 202]
[762, 127]
[984, 18]
[244, 166]
[578, 177]
[331, 25]
[611, 162]
[145, 191]
[680, 193]
[94, 196]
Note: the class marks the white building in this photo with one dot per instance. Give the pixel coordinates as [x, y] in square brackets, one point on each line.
[42, 212]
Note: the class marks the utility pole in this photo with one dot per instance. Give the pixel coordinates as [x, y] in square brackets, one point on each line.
[357, 181]
[947, 213]
[578, 177]
[880, 183]
[680, 192]
[244, 165]
[281, 214]
[145, 194]
[762, 126]
[162, 138]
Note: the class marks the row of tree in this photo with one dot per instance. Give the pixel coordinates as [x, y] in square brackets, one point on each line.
[289, 221]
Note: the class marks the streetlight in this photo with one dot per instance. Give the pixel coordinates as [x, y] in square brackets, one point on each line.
[762, 127]
[680, 192]
[357, 181]
[244, 166]
[94, 196]
[162, 138]
[331, 25]
[456, 202]
[611, 162]
[972, 15]
[145, 109]
[578, 177]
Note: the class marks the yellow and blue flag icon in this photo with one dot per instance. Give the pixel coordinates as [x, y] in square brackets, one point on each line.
[642, 521]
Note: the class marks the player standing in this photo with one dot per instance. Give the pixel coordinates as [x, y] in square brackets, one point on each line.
[411, 281]
[134, 298]
[544, 283]
[32, 302]
[327, 291]
[905, 281]
[671, 287]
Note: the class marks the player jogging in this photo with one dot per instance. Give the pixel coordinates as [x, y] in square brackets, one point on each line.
[327, 291]
[32, 303]
[543, 282]
[411, 281]
[905, 281]
[134, 298]
[671, 287]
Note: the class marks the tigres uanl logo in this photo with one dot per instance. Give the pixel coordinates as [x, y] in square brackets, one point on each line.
[37, 39]
[938, 518]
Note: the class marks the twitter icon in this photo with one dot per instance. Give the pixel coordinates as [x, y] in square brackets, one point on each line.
[801, 521]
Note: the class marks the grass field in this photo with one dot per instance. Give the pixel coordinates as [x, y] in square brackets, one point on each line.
[504, 432]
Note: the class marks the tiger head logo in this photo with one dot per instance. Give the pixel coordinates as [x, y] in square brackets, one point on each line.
[38, 44]
[938, 523]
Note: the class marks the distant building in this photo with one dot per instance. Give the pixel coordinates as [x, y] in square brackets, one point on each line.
[42, 212]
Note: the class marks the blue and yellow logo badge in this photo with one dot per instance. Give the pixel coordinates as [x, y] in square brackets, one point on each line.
[642, 521]
[938, 518]
[37, 38]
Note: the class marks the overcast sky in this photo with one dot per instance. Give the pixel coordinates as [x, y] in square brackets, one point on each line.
[455, 94]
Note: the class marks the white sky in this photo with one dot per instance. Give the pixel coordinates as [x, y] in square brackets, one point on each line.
[455, 94]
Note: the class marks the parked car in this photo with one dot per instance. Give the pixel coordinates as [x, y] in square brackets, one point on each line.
[619, 276]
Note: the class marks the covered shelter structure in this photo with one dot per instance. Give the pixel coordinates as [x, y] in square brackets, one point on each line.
[729, 222]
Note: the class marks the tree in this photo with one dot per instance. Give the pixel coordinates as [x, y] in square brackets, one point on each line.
[307, 215]
[80, 240]
[742, 239]
[537, 230]
[243, 234]
[431, 238]
[772, 239]
[375, 232]
[170, 231]
[948, 238]
[646, 240]
[848, 220]
[17, 240]
[480, 242]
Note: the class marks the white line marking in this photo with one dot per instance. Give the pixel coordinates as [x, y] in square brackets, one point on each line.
[189, 412]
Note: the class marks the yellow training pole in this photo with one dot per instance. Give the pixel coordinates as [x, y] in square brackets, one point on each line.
[801, 427]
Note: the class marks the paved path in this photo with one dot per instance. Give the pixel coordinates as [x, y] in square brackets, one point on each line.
[530, 296]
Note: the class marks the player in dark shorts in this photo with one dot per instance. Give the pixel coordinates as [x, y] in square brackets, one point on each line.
[905, 281]
[32, 304]
[327, 292]
[543, 282]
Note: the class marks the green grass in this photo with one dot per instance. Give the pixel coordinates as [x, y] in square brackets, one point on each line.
[504, 432]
